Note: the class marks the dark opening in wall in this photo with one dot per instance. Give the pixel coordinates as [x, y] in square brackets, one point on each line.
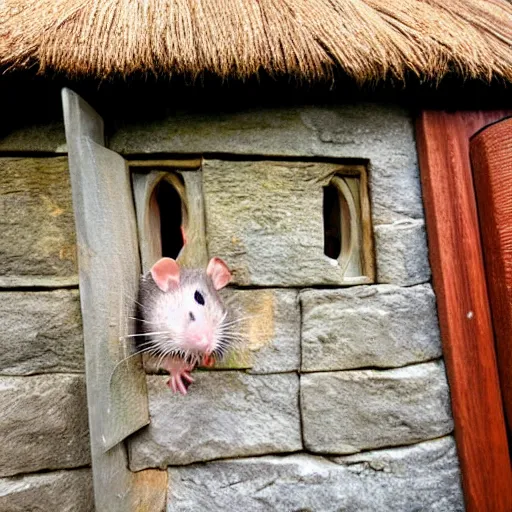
[332, 222]
[171, 219]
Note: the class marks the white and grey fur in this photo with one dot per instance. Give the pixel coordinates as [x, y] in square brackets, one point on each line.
[164, 316]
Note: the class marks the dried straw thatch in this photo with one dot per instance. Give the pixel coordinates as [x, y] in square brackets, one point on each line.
[367, 39]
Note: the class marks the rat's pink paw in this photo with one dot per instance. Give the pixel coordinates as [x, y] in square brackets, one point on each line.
[176, 382]
[179, 372]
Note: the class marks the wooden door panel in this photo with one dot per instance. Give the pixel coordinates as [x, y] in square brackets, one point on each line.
[491, 158]
[464, 315]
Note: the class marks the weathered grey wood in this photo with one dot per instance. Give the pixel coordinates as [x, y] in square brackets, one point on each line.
[37, 246]
[194, 252]
[109, 271]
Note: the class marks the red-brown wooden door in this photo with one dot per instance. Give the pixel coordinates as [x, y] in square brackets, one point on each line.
[466, 320]
[491, 160]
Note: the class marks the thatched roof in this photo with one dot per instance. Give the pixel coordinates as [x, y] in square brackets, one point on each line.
[310, 39]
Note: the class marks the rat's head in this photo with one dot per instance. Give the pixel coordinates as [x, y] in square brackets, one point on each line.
[189, 311]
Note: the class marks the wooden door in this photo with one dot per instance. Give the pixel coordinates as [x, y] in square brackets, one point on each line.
[491, 159]
[465, 319]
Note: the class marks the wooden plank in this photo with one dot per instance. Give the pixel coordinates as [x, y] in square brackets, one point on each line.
[491, 158]
[464, 316]
[194, 253]
[108, 273]
[368, 253]
[194, 163]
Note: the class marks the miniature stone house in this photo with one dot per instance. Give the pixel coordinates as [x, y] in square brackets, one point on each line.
[340, 395]
[338, 398]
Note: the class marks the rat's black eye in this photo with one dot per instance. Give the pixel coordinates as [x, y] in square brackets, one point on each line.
[198, 297]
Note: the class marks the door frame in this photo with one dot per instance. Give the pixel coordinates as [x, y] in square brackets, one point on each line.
[459, 282]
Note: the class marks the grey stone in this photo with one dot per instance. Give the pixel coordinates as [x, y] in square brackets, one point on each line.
[224, 414]
[40, 332]
[43, 424]
[402, 255]
[38, 246]
[345, 412]
[421, 477]
[368, 326]
[382, 134]
[59, 491]
[265, 219]
[38, 138]
[271, 331]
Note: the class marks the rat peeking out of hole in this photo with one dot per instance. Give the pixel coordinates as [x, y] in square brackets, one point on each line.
[183, 319]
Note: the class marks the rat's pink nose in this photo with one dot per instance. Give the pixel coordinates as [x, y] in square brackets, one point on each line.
[204, 343]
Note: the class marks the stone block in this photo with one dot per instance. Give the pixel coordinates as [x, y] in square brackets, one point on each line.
[346, 412]
[40, 332]
[401, 253]
[57, 491]
[149, 490]
[265, 219]
[380, 326]
[46, 137]
[271, 332]
[38, 239]
[421, 477]
[380, 134]
[43, 424]
[225, 414]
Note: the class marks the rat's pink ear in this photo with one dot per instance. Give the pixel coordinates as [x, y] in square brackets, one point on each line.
[219, 273]
[166, 274]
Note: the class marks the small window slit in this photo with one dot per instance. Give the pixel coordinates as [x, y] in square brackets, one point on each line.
[170, 210]
[332, 222]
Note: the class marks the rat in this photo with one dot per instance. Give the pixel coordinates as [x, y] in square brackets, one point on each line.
[184, 321]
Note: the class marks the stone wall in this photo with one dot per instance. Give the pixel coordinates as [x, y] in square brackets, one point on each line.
[340, 400]
[45, 458]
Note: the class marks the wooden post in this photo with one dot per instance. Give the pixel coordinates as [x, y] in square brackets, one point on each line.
[108, 273]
